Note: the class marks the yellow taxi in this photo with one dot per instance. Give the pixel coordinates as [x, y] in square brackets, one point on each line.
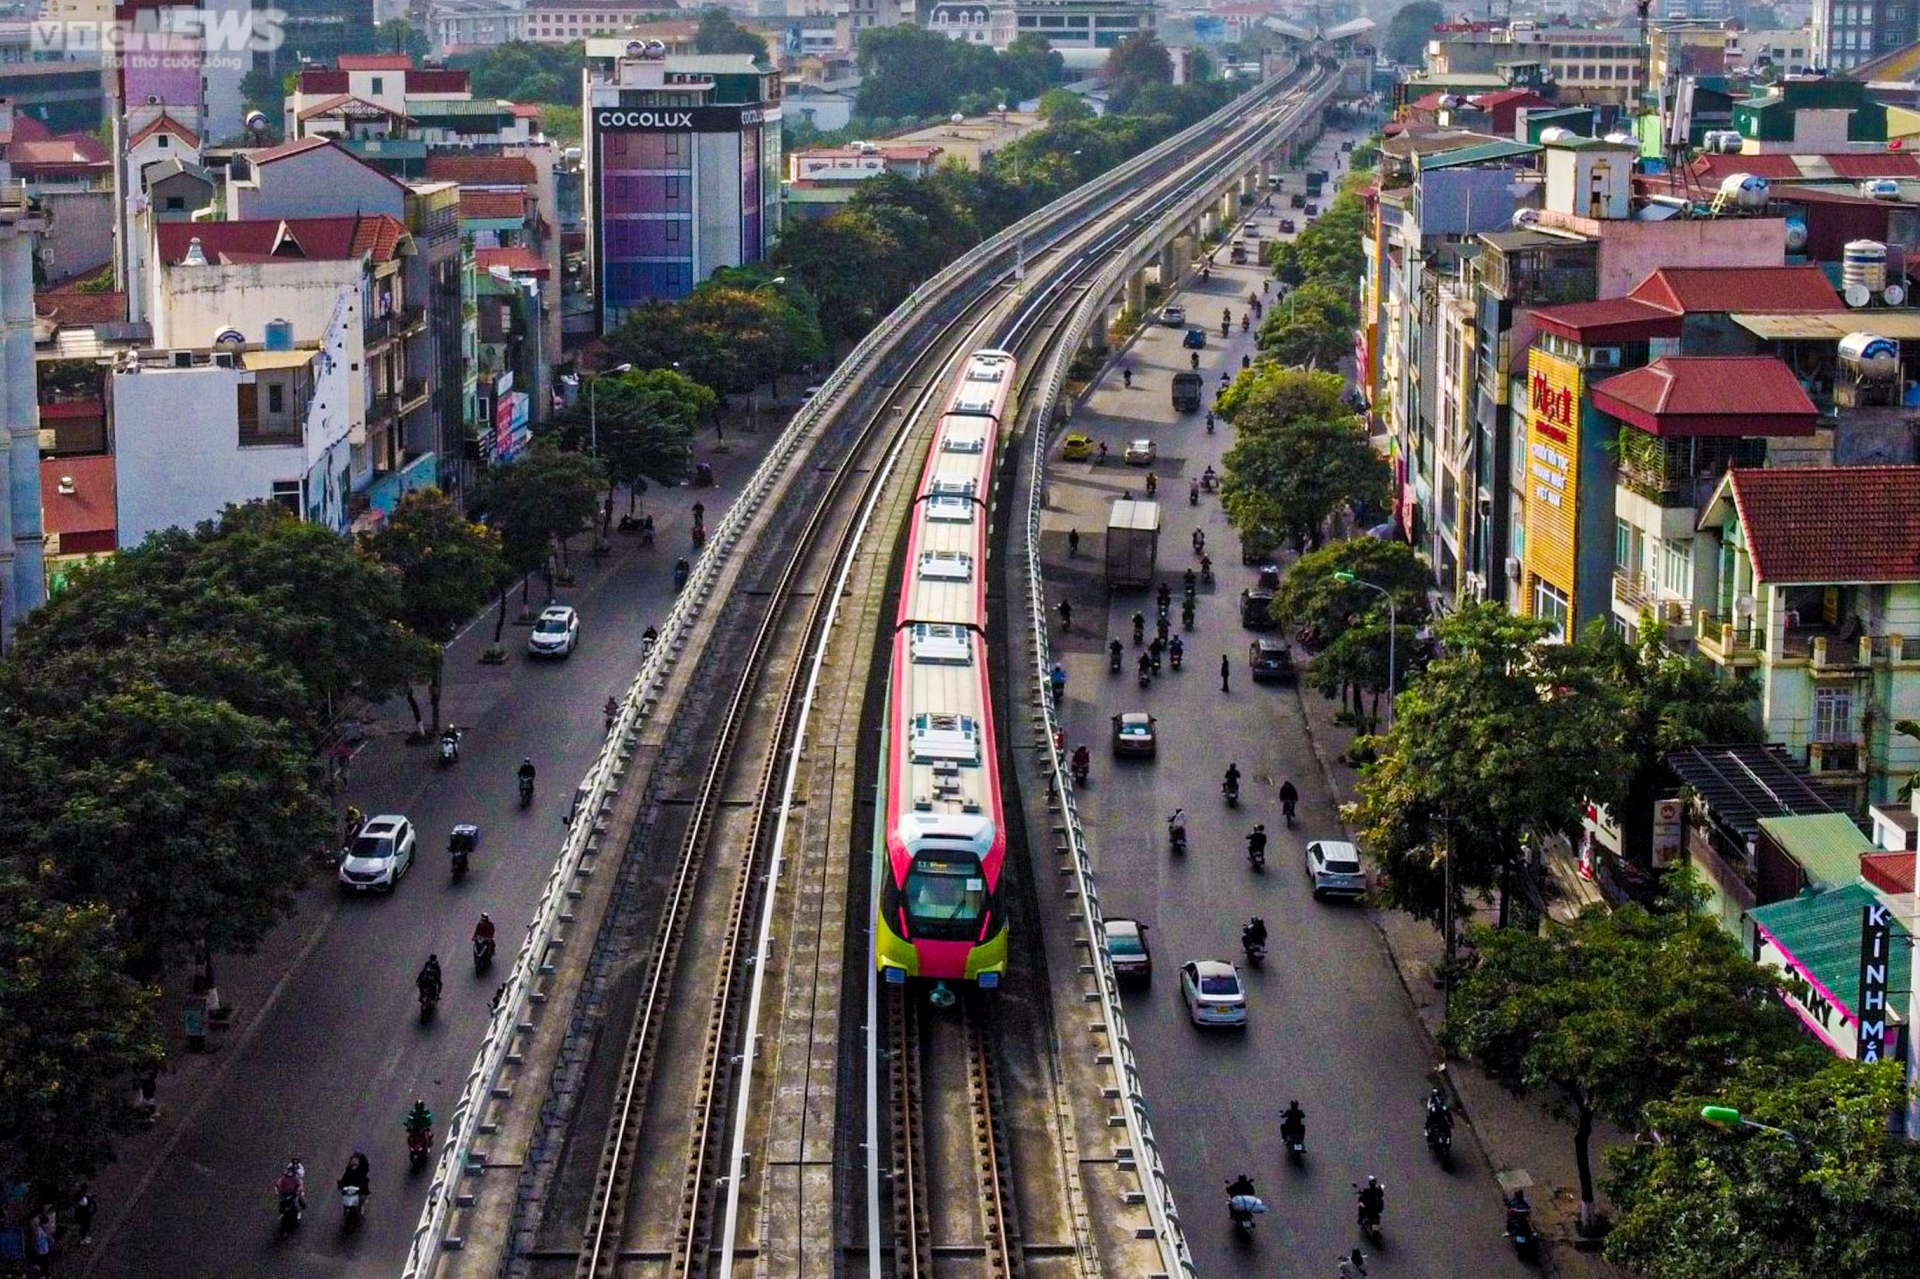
[1077, 447]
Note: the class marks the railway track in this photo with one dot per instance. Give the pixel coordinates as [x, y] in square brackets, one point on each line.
[652, 1210]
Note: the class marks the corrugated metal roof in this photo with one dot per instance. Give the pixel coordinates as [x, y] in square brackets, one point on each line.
[1821, 931]
[1826, 845]
[1899, 325]
[262, 360]
[1745, 783]
[1486, 151]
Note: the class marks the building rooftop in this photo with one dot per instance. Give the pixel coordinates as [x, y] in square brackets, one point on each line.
[1828, 524]
[1820, 933]
[1709, 171]
[77, 499]
[374, 62]
[1889, 872]
[287, 239]
[1825, 845]
[482, 170]
[516, 259]
[70, 307]
[1726, 395]
[1774, 289]
[347, 105]
[1608, 320]
[492, 206]
[1746, 783]
[1479, 153]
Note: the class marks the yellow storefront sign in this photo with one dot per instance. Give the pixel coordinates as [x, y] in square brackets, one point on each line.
[1553, 476]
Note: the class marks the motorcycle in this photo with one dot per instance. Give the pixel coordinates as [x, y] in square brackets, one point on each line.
[1519, 1233]
[482, 954]
[1256, 857]
[681, 570]
[1080, 771]
[290, 1212]
[1193, 493]
[1295, 1137]
[1113, 657]
[419, 1146]
[1368, 1219]
[1256, 951]
[1241, 1210]
[526, 791]
[1186, 613]
[1146, 671]
[450, 745]
[352, 1204]
[1440, 1139]
[1174, 653]
[1177, 839]
[460, 845]
[429, 999]
[1230, 791]
[1206, 570]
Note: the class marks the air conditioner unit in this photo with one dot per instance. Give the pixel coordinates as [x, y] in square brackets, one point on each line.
[223, 359]
[1513, 568]
[1604, 357]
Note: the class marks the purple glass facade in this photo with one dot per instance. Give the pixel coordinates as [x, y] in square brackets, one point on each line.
[750, 240]
[646, 215]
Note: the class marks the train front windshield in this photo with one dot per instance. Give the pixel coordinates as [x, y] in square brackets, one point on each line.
[945, 898]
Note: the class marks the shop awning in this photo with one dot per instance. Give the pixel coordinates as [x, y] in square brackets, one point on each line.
[1816, 937]
[1825, 845]
[1899, 325]
[1744, 783]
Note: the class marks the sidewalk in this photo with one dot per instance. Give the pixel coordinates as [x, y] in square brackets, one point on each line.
[1521, 1142]
[251, 985]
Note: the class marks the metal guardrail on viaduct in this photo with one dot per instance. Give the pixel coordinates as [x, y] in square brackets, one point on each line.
[982, 268]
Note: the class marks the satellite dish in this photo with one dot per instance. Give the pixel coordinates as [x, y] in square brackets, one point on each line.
[656, 49]
[1856, 295]
[1896, 295]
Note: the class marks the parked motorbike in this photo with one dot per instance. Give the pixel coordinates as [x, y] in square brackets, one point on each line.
[450, 745]
[1519, 1232]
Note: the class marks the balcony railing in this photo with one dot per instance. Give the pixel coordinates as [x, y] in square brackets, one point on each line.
[1637, 591]
[255, 435]
[1725, 639]
[1835, 757]
[413, 393]
[396, 324]
[382, 409]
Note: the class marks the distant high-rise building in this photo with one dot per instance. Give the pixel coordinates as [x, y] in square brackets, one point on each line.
[1847, 34]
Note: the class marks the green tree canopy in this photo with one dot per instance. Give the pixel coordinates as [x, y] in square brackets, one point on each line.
[1409, 30]
[1270, 396]
[1293, 477]
[75, 1033]
[1503, 732]
[1842, 1199]
[646, 420]
[1059, 106]
[192, 820]
[719, 33]
[1311, 328]
[1132, 65]
[447, 565]
[1345, 625]
[525, 72]
[398, 35]
[1615, 1011]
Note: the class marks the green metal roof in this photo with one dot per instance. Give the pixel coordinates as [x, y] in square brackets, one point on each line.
[1826, 845]
[1481, 154]
[1822, 933]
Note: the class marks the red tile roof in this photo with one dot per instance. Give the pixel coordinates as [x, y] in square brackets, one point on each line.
[1524, 97]
[482, 170]
[488, 205]
[289, 239]
[517, 259]
[1426, 102]
[28, 129]
[1611, 319]
[1830, 524]
[1875, 164]
[1710, 395]
[70, 308]
[374, 62]
[1752, 288]
[339, 100]
[163, 123]
[292, 147]
[89, 509]
[1889, 872]
[67, 149]
[526, 110]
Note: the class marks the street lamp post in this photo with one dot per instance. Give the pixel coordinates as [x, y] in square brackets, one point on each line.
[753, 396]
[593, 407]
[1393, 631]
[1730, 1117]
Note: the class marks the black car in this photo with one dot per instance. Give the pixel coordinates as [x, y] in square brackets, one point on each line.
[1271, 661]
[1195, 340]
[1256, 609]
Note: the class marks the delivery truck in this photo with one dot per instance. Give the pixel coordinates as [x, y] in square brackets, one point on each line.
[1133, 543]
[1187, 388]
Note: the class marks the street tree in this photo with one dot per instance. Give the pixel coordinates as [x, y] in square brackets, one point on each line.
[256, 577]
[719, 33]
[76, 1032]
[853, 263]
[645, 422]
[1617, 1010]
[1840, 1195]
[1271, 396]
[657, 335]
[1346, 626]
[1312, 327]
[1409, 29]
[1673, 700]
[1501, 738]
[447, 566]
[1294, 478]
[193, 821]
[1132, 65]
[534, 504]
[1029, 64]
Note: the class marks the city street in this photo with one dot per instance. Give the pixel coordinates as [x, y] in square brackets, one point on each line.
[338, 1051]
[1330, 1023]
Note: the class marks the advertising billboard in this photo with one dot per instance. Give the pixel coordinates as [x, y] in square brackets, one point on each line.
[1553, 475]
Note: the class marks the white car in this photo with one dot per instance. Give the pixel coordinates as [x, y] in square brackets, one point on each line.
[1173, 317]
[1213, 993]
[380, 854]
[556, 633]
[809, 393]
[1334, 870]
[1140, 453]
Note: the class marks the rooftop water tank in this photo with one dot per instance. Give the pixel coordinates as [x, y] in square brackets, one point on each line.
[1864, 262]
[279, 335]
[1796, 235]
[1555, 134]
[1870, 357]
[1880, 189]
[1744, 190]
